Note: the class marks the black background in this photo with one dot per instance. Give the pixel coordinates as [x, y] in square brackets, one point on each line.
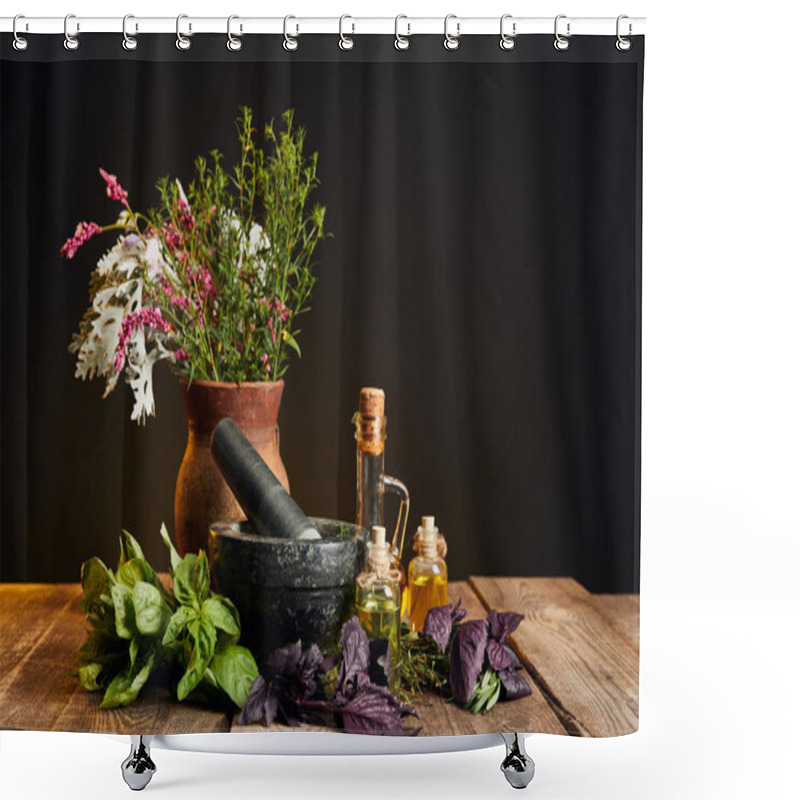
[484, 270]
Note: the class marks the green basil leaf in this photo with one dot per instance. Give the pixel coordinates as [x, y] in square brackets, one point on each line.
[125, 688]
[88, 675]
[133, 650]
[136, 569]
[178, 623]
[96, 580]
[223, 614]
[130, 547]
[235, 670]
[208, 678]
[205, 640]
[201, 577]
[124, 614]
[183, 583]
[174, 558]
[152, 613]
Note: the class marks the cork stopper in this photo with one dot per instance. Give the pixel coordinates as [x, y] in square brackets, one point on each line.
[428, 537]
[370, 421]
[379, 558]
[371, 402]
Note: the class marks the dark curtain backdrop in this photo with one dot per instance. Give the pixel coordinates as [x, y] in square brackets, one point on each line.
[485, 269]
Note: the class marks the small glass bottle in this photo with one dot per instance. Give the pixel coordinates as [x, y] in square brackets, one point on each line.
[379, 599]
[427, 574]
[371, 481]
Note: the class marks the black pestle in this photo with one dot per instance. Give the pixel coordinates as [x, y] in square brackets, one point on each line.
[268, 506]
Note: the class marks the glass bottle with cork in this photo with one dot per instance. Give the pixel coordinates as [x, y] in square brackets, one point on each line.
[371, 481]
[427, 574]
[379, 599]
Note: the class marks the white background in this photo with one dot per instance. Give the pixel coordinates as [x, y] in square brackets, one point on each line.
[720, 437]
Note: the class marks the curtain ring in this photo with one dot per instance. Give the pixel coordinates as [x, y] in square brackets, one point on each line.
[129, 42]
[401, 42]
[234, 42]
[561, 43]
[623, 44]
[182, 42]
[70, 42]
[289, 42]
[20, 42]
[451, 42]
[507, 42]
[346, 42]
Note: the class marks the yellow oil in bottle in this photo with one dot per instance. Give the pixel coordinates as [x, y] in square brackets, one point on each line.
[379, 614]
[398, 565]
[427, 576]
[425, 592]
[379, 600]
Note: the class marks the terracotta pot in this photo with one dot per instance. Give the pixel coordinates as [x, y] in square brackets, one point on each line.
[201, 494]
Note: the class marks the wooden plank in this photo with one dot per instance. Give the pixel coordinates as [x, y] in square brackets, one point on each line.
[623, 609]
[586, 668]
[27, 611]
[36, 689]
[440, 718]
[155, 711]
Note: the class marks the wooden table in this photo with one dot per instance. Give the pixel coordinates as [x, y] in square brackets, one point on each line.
[580, 652]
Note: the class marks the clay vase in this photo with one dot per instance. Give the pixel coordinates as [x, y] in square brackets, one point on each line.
[201, 494]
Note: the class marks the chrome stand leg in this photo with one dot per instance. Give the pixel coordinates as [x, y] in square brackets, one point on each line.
[138, 768]
[518, 766]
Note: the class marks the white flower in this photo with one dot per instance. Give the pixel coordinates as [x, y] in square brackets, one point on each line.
[120, 277]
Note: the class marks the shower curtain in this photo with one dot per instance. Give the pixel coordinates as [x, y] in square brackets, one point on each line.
[480, 263]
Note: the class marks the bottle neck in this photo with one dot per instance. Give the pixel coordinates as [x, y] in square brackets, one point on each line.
[429, 550]
[370, 433]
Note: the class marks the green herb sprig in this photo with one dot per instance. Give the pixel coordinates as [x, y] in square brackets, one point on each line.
[138, 626]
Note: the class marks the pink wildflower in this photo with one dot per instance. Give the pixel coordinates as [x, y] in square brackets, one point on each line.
[83, 233]
[113, 189]
[180, 354]
[265, 362]
[130, 324]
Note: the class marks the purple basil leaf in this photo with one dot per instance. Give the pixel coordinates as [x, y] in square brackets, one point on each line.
[284, 662]
[355, 655]
[502, 624]
[515, 662]
[308, 668]
[498, 656]
[379, 661]
[439, 625]
[373, 709]
[271, 705]
[514, 685]
[457, 613]
[253, 709]
[466, 658]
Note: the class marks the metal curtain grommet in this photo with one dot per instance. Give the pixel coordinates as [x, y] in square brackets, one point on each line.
[182, 42]
[129, 42]
[401, 42]
[561, 42]
[234, 42]
[346, 42]
[20, 42]
[507, 42]
[451, 42]
[71, 42]
[623, 44]
[289, 42]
